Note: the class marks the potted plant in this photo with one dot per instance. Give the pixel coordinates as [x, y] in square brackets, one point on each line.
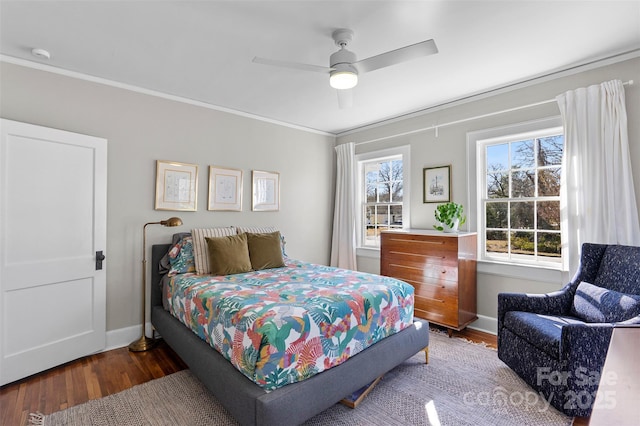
[449, 216]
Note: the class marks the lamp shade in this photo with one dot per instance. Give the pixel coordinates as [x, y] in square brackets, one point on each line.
[172, 221]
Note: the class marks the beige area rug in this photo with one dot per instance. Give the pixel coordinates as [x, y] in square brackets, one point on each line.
[463, 384]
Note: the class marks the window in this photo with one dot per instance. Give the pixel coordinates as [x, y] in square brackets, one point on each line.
[518, 197]
[384, 203]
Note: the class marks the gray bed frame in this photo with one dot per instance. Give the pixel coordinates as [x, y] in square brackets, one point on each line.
[247, 402]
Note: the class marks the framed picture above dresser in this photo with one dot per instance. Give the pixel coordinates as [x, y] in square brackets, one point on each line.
[442, 269]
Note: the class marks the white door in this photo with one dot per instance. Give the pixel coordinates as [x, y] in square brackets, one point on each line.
[53, 187]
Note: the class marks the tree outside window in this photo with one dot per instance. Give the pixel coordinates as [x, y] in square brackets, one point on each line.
[384, 193]
[521, 200]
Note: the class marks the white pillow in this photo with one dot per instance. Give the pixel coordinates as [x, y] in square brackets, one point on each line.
[200, 249]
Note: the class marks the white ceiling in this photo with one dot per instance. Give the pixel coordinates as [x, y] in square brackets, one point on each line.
[202, 50]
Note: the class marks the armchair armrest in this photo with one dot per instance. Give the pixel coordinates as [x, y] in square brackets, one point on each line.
[585, 346]
[555, 303]
[631, 321]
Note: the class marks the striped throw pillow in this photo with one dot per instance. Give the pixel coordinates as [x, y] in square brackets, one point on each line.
[256, 229]
[200, 250]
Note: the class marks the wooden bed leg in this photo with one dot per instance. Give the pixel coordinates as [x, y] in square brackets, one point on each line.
[450, 332]
[426, 355]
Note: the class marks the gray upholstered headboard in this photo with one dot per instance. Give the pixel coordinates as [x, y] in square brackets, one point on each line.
[157, 252]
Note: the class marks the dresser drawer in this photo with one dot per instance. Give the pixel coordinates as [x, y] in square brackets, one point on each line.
[433, 245]
[441, 258]
[446, 291]
[436, 311]
[429, 270]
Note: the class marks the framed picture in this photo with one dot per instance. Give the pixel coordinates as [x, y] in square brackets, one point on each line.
[436, 183]
[265, 190]
[176, 186]
[225, 189]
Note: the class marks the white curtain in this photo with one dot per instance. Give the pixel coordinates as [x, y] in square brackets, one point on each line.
[343, 245]
[598, 203]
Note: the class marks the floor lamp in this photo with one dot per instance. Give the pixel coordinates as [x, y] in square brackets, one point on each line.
[144, 343]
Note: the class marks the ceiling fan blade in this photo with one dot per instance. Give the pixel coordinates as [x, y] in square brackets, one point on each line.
[293, 65]
[393, 57]
[345, 98]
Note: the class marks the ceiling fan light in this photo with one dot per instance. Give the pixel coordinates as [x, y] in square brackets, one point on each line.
[343, 79]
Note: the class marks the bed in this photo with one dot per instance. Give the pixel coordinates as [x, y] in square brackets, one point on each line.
[252, 402]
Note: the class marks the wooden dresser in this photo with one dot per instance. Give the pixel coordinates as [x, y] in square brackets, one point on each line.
[442, 269]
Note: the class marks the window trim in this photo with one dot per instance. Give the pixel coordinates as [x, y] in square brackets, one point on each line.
[404, 151]
[474, 162]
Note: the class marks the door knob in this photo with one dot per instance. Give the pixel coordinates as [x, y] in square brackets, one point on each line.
[99, 258]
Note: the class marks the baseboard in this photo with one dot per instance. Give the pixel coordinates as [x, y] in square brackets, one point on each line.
[124, 336]
[485, 324]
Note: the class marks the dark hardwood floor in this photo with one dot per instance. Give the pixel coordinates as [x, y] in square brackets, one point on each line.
[103, 374]
[91, 377]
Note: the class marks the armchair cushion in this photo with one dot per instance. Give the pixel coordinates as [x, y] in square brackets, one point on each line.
[598, 305]
[541, 331]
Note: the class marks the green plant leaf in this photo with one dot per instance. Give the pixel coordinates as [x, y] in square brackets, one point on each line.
[448, 213]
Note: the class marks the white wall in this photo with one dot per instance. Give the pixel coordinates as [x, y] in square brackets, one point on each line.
[449, 146]
[142, 129]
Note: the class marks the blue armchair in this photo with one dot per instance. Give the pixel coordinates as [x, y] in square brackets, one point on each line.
[557, 342]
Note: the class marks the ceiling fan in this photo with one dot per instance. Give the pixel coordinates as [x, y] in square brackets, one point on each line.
[344, 68]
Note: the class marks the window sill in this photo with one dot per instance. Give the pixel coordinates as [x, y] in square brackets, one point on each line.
[525, 272]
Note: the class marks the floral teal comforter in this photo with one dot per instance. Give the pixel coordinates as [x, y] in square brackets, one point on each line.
[283, 325]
